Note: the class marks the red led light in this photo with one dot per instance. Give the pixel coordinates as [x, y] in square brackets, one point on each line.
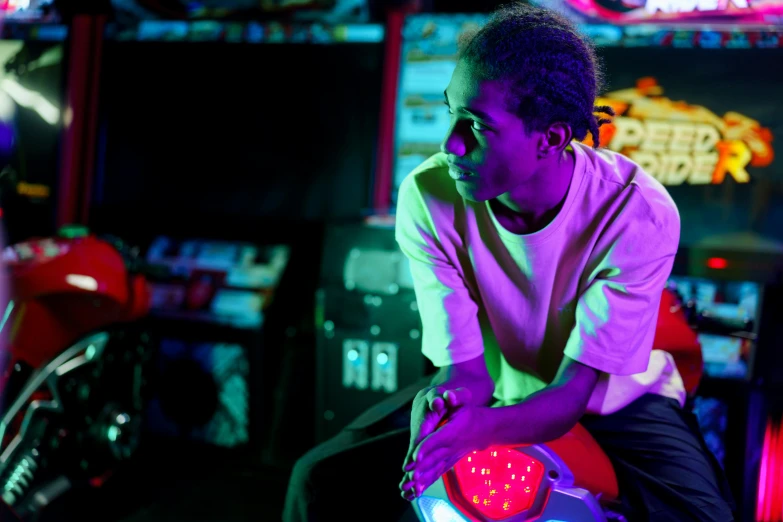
[717, 263]
[497, 482]
[769, 502]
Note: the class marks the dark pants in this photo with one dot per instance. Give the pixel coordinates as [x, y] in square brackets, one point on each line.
[664, 469]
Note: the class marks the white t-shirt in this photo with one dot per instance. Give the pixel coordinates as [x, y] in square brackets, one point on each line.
[588, 285]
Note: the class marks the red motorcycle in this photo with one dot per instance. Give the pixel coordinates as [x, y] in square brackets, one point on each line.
[568, 479]
[72, 383]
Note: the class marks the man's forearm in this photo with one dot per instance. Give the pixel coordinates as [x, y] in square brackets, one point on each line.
[546, 415]
[481, 386]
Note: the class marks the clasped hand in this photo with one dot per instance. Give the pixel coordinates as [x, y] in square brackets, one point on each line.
[445, 427]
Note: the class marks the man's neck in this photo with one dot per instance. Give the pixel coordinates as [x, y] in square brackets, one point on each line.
[532, 206]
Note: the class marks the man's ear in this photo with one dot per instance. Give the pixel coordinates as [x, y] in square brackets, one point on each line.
[554, 140]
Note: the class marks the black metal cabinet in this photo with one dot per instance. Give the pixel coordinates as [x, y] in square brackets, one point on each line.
[367, 325]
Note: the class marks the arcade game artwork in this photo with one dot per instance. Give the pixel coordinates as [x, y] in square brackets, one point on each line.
[705, 123]
[621, 12]
[677, 142]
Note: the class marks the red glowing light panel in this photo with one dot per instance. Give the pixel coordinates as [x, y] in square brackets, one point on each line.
[717, 263]
[497, 482]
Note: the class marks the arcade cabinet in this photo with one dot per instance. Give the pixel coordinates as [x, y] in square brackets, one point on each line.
[210, 150]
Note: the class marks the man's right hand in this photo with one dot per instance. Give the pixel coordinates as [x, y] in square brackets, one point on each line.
[434, 403]
[431, 407]
[429, 410]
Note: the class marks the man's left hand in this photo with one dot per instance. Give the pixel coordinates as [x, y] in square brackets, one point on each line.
[464, 432]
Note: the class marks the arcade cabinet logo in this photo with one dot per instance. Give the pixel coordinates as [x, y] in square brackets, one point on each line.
[681, 143]
[689, 6]
[647, 11]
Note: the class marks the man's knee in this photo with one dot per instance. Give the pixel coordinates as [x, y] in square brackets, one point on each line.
[305, 470]
[300, 487]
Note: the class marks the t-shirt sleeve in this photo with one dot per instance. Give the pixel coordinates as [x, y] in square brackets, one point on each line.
[616, 314]
[450, 328]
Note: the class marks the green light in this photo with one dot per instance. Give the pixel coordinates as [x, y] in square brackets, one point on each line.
[90, 353]
[113, 433]
[73, 231]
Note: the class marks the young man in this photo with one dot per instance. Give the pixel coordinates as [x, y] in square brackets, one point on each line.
[538, 265]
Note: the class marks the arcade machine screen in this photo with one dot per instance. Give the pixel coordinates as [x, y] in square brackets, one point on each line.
[267, 122]
[429, 52]
[724, 314]
[31, 123]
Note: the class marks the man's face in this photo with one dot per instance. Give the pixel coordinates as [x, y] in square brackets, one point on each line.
[488, 150]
